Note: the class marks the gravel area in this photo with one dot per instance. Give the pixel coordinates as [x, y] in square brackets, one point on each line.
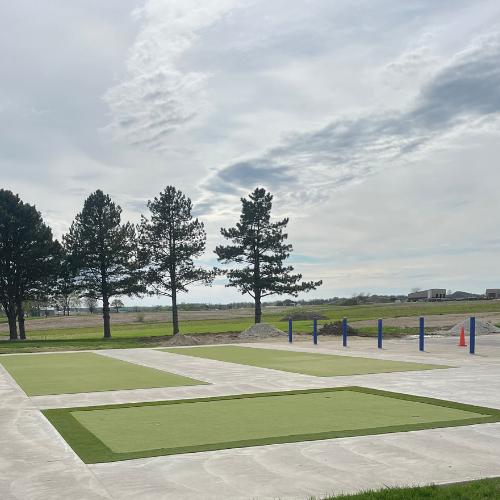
[261, 331]
[482, 327]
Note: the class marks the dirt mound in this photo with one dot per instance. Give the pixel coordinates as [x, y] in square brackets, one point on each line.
[261, 331]
[337, 328]
[482, 327]
[304, 316]
[179, 340]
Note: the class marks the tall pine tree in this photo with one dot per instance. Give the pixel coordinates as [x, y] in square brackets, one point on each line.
[29, 258]
[103, 252]
[170, 240]
[258, 248]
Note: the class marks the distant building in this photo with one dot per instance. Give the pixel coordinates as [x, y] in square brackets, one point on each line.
[35, 313]
[492, 293]
[427, 295]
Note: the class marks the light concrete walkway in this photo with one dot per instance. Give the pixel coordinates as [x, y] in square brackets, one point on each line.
[36, 463]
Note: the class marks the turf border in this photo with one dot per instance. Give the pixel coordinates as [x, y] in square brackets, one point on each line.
[92, 450]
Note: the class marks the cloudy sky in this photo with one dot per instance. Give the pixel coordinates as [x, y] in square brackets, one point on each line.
[374, 123]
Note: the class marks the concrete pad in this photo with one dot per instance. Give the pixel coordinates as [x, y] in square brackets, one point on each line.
[298, 470]
[35, 462]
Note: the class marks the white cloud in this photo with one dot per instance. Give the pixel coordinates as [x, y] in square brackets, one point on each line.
[160, 96]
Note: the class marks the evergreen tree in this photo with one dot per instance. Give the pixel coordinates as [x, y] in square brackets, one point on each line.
[29, 258]
[170, 240]
[103, 253]
[258, 246]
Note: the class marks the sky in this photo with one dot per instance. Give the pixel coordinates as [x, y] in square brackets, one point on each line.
[375, 124]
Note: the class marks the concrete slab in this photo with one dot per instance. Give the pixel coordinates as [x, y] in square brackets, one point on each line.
[35, 462]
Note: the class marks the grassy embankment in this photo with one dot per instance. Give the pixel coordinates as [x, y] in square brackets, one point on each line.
[485, 489]
[127, 336]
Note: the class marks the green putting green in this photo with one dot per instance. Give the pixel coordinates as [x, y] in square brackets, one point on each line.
[65, 373]
[121, 432]
[320, 365]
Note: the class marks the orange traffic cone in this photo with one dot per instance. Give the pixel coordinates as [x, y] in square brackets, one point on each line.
[462, 339]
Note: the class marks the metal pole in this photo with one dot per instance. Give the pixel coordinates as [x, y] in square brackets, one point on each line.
[472, 340]
[380, 334]
[344, 332]
[315, 331]
[421, 334]
[290, 330]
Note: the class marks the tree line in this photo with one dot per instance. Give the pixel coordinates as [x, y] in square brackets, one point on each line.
[101, 258]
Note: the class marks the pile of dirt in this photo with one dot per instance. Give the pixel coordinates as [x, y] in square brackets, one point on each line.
[261, 331]
[482, 327]
[337, 328]
[304, 316]
[179, 340]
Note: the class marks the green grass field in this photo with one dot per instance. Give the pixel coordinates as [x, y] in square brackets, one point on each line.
[319, 365]
[130, 335]
[121, 432]
[67, 373]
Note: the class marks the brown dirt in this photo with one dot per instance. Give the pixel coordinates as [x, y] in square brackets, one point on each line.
[199, 338]
[337, 328]
[304, 316]
[438, 322]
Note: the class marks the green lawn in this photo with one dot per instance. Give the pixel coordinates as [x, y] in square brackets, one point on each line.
[67, 373]
[121, 432]
[130, 335]
[485, 489]
[319, 365]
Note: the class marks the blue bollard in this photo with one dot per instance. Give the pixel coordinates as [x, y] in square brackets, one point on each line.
[380, 334]
[344, 332]
[421, 333]
[472, 340]
[290, 330]
[315, 331]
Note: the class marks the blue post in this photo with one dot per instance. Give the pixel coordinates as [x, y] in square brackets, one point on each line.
[315, 331]
[421, 333]
[344, 332]
[290, 330]
[472, 340]
[380, 334]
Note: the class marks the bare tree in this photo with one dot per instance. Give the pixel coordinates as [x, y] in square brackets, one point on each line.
[116, 304]
[90, 304]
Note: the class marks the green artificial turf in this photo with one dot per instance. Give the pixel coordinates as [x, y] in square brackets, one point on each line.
[122, 432]
[320, 365]
[65, 373]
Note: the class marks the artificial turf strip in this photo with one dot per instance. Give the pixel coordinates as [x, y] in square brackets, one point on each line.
[484, 489]
[198, 419]
[319, 365]
[178, 426]
[67, 373]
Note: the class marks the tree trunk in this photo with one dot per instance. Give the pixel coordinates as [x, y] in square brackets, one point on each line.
[175, 315]
[105, 315]
[12, 327]
[20, 317]
[10, 311]
[258, 311]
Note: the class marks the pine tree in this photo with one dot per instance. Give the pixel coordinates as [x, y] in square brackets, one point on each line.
[103, 253]
[29, 258]
[258, 246]
[170, 240]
